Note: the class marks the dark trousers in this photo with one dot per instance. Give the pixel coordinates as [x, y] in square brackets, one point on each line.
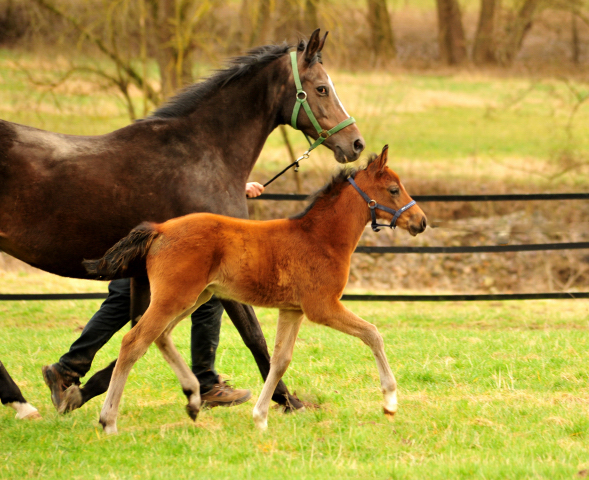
[114, 315]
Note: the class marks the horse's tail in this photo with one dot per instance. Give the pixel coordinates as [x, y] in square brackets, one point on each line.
[127, 257]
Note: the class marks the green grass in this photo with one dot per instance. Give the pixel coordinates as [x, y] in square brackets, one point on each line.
[486, 391]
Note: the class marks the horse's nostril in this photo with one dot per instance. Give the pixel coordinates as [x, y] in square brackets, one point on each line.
[358, 145]
[423, 223]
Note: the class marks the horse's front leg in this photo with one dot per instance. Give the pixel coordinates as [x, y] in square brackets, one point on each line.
[11, 396]
[340, 318]
[76, 396]
[244, 319]
[289, 323]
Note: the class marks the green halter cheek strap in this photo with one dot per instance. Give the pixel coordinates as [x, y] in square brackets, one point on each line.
[302, 100]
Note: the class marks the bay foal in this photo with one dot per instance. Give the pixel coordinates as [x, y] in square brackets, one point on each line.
[299, 265]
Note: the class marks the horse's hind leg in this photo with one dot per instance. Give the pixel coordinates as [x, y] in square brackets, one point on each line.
[188, 380]
[11, 396]
[244, 319]
[342, 319]
[289, 322]
[76, 396]
[135, 343]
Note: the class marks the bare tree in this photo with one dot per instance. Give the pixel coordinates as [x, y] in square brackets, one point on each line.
[451, 37]
[515, 30]
[381, 30]
[483, 52]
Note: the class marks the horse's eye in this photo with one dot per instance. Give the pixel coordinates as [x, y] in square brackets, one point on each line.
[394, 191]
[322, 90]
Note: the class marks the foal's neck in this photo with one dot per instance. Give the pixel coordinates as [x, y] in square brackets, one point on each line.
[339, 220]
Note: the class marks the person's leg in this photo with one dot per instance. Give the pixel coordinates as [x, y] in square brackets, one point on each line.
[206, 328]
[109, 319]
[205, 331]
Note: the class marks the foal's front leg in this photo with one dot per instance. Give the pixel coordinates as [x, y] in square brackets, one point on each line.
[340, 318]
[289, 322]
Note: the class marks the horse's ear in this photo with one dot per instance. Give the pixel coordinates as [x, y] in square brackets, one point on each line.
[381, 160]
[313, 46]
[322, 42]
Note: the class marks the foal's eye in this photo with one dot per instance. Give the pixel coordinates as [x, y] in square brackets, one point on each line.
[322, 90]
[394, 191]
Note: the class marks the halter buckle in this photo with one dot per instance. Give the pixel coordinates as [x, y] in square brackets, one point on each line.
[304, 96]
[324, 133]
[372, 204]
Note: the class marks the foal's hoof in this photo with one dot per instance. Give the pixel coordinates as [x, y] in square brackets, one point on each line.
[390, 414]
[72, 399]
[109, 429]
[192, 412]
[56, 383]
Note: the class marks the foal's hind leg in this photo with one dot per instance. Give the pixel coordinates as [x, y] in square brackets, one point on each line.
[289, 322]
[340, 318]
[244, 319]
[188, 380]
[11, 396]
[76, 396]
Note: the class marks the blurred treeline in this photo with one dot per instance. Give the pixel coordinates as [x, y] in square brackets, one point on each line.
[129, 40]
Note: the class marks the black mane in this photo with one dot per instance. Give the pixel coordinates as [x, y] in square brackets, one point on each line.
[186, 101]
[333, 187]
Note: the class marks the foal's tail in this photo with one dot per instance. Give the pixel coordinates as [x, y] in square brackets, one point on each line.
[127, 257]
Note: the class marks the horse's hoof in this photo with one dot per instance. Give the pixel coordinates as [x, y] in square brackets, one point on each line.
[389, 414]
[109, 429]
[32, 416]
[293, 404]
[24, 411]
[56, 383]
[260, 421]
[192, 412]
[72, 399]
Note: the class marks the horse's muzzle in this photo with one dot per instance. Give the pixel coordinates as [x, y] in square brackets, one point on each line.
[350, 153]
[416, 224]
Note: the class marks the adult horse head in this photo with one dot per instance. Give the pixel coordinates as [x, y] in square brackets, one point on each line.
[64, 198]
[316, 93]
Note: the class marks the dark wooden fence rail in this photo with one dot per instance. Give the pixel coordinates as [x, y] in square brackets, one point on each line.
[406, 250]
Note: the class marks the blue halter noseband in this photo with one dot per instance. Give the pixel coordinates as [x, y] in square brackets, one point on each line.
[373, 206]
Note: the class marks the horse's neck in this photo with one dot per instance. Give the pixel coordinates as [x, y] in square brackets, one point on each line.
[246, 111]
[341, 220]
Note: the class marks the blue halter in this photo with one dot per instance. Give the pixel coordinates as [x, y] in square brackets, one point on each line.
[373, 206]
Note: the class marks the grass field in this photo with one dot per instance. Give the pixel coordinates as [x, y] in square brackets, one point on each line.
[486, 391]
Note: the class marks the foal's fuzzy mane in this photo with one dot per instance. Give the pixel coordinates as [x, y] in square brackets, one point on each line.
[332, 188]
[188, 99]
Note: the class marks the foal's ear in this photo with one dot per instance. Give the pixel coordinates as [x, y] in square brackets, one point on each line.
[314, 46]
[381, 160]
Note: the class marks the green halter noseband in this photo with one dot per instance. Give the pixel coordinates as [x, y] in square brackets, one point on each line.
[302, 100]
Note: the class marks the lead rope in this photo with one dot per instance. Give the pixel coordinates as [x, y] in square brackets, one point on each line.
[304, 156]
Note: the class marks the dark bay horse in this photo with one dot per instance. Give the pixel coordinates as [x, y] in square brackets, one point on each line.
[65, 198]
[299, 266]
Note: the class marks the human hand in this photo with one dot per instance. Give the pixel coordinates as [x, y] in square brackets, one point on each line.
[253, 189]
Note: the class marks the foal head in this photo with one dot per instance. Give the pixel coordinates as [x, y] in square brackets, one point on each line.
[347, 143]
[384, 187]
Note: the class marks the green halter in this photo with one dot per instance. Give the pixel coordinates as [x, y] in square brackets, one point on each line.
[302, 100]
